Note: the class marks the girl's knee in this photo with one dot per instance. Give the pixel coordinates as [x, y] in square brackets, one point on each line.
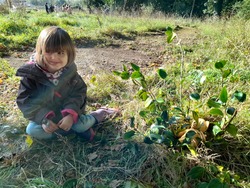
[33, 129]
[36, 131]
[84, 123]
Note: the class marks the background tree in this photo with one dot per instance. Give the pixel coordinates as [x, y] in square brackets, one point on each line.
[242, 9]
[185, 8]
[129, 5]
[218, 5]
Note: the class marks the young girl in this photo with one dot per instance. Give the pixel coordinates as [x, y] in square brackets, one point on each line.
[52, 95]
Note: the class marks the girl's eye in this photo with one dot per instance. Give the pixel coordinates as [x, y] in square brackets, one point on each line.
[61, 53]
[47, 53]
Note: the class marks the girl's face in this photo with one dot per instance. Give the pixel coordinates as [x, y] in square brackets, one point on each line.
[54, 61]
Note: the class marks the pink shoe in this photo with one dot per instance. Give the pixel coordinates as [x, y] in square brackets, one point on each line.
[104, 113]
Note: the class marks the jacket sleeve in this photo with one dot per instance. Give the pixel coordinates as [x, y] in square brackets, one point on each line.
[31, 100]
[76, 101]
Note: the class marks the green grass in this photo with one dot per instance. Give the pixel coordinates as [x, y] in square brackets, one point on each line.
[18, 29]
[111, 160]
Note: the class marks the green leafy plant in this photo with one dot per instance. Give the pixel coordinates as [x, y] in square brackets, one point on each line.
[171, 125]
[220, 105]
[212, 175]
[156, 110]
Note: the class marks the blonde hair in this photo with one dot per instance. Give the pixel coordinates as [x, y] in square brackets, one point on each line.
[54, 39]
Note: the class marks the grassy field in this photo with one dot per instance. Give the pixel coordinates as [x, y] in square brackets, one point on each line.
[115, 158]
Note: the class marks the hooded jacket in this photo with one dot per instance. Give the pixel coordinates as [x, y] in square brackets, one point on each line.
[39, 98]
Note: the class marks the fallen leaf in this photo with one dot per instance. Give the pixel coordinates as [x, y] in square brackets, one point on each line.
[92, 156]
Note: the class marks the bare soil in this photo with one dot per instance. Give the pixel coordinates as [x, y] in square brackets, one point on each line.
[146, 51]
[142, 50]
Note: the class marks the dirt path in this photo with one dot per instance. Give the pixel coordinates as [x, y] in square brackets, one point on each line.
[143, 51]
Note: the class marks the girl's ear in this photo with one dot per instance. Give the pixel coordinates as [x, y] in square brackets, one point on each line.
[39, 57]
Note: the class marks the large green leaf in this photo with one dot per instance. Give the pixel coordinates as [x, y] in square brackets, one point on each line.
[216, 111]
[223, 95]
[160, 100]
[189, 136]
[216, 130]
[154, 129]
[137, 75]
[232, 129]
[129, 135]
[196, 172]
[215, 183]
[135, 67]
[203, 185]
[162, 73]
[169, 138]
[168, 134]
[231, 110]
[220, 64]
[170, 35]
[240, 96]
[195, 96]
[125, 75]
[143, 113]
[165, 115]
[212, 103]
[143, 94]
[71, 183]
[147, 140]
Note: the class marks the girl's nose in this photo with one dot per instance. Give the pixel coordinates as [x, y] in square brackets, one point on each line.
[53, 55]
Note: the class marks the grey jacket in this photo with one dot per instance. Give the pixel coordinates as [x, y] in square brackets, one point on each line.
[39, 98]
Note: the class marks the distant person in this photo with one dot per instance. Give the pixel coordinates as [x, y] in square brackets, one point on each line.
[52, 95]
[51, 8]
[64, 7]
[47, 8]
[69, 9]
[89, 8]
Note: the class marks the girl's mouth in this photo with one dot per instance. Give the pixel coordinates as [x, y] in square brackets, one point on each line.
[53, 63]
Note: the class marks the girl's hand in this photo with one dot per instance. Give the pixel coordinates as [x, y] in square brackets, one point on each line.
[50, 127]
[66, 122]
